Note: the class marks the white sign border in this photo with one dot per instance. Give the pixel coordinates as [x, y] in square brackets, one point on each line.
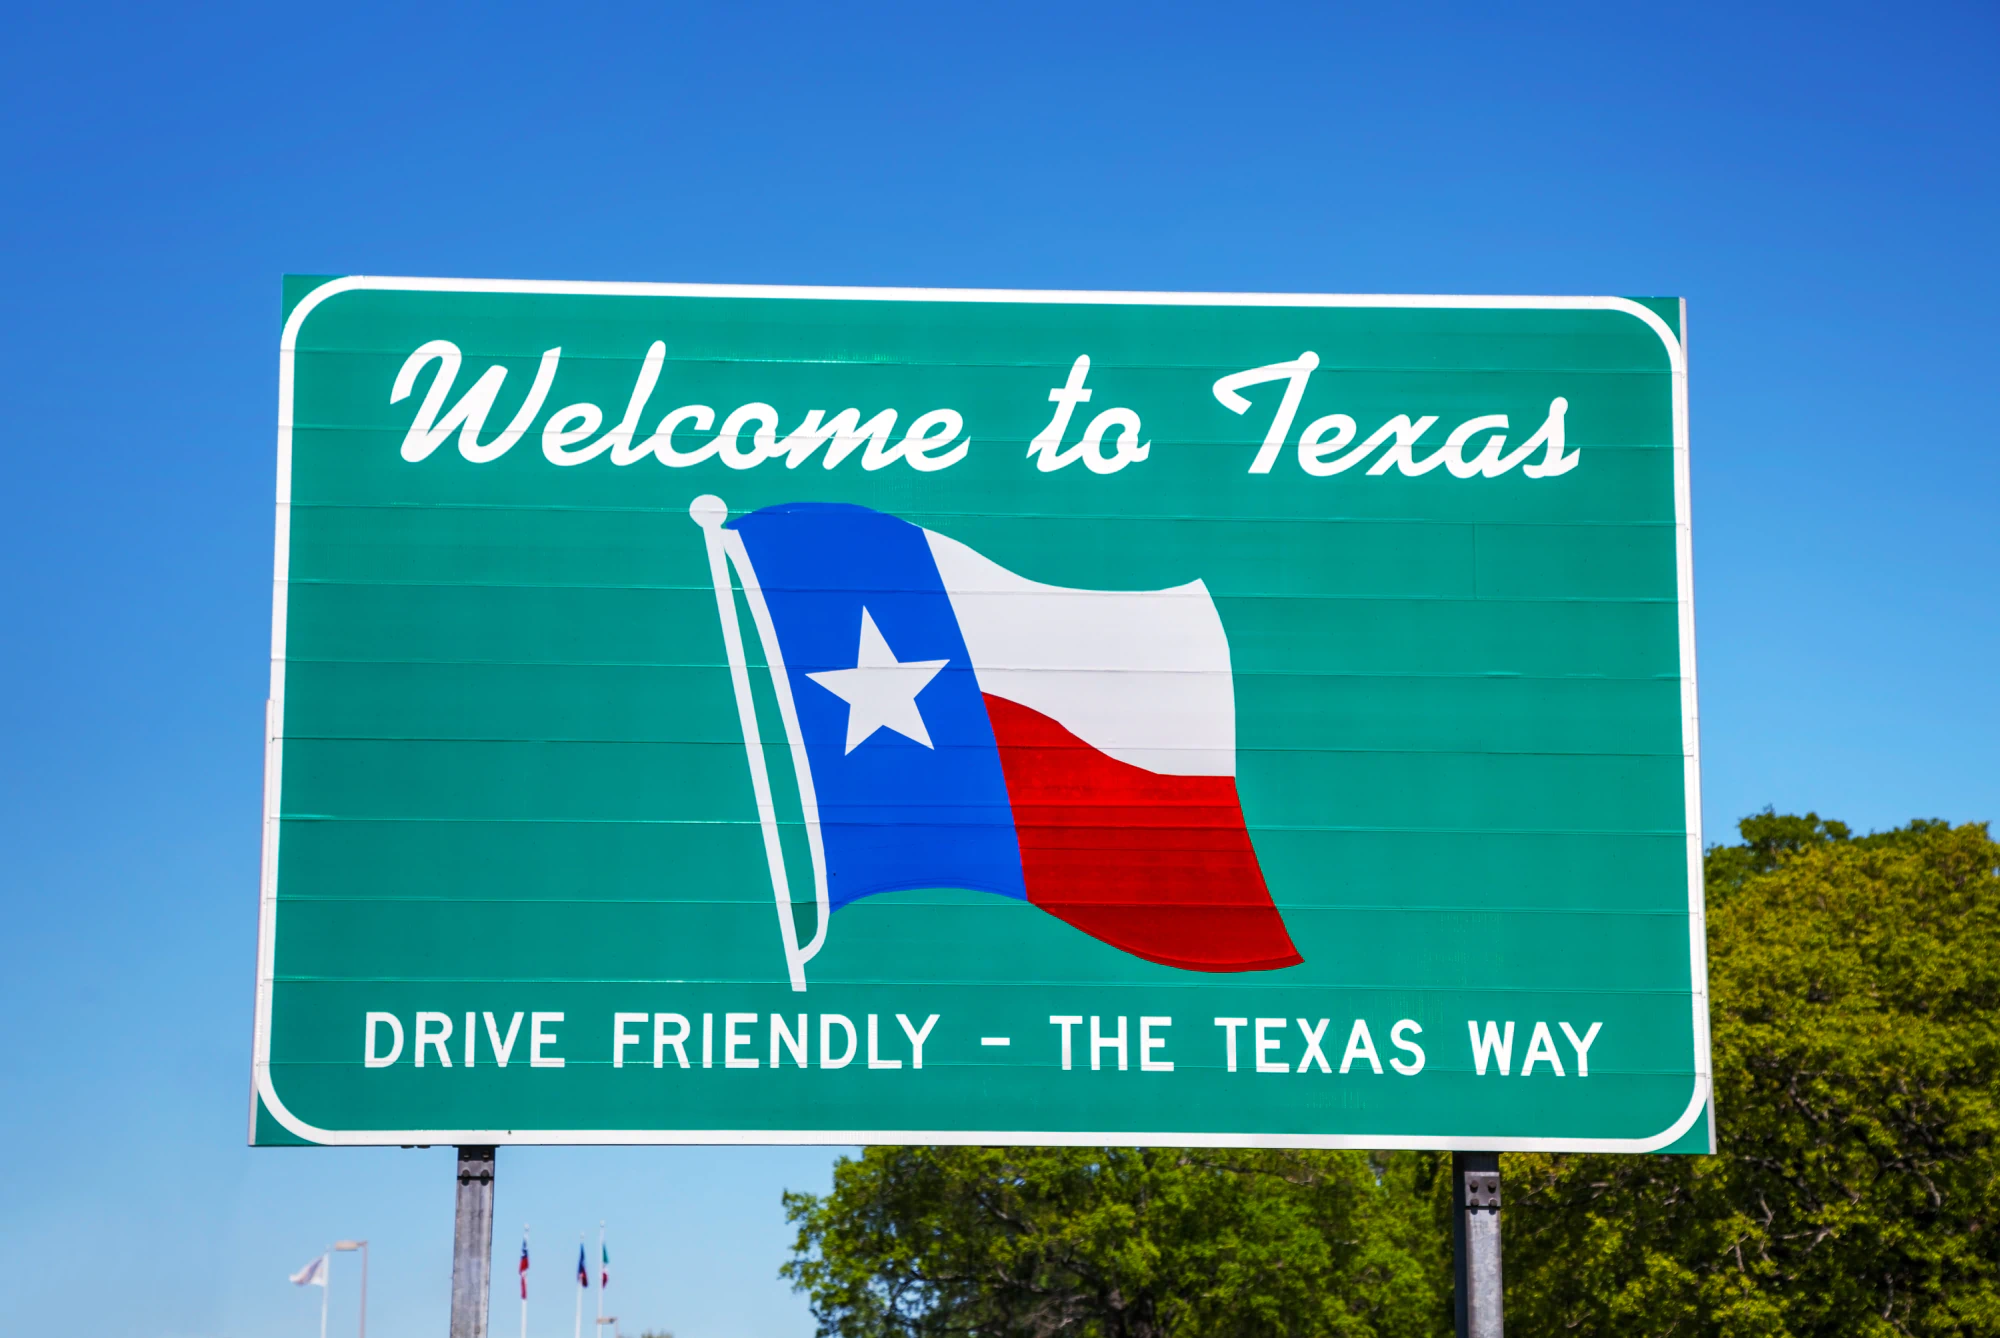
[274, 715]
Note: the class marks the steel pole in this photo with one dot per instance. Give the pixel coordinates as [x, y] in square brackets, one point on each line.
[472, 1243]
[361, 1245]
[1475, 1240]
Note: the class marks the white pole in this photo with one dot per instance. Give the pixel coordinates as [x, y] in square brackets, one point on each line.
[524, 1283]
[599, 1330]
[325, 1288]
[582, 1281]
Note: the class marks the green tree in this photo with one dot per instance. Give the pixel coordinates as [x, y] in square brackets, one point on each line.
[1855, 996]
[917, 1242]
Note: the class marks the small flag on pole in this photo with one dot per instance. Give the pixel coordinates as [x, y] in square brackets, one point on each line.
[582, 1267]
[606, 1277]
[524, 1268]
[312, 1275]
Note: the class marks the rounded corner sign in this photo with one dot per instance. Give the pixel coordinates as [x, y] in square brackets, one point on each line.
[726, 714]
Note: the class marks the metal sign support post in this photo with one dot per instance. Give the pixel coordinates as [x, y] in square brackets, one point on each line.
[472, 1243]
[1475, 1243]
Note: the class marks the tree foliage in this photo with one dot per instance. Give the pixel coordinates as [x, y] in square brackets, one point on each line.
[1120, 1243]
[1855, 998]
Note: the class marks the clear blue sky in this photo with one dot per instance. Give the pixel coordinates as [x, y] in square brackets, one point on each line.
[1818, 182]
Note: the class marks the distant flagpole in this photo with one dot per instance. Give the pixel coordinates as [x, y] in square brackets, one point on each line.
[598, 1331]
[315, 1274]
[582, 1282]
[524, 1280]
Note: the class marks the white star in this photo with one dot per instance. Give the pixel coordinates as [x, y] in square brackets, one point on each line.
[880, 691]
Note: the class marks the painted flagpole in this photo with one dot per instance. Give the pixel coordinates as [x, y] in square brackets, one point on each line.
[726, 550]
[598, 1331]
[524, 1280]
[582, 1281]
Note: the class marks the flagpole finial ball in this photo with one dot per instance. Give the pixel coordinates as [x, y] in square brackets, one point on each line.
[708, 511]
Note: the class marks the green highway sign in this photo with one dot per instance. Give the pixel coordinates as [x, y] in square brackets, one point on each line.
[745, 714]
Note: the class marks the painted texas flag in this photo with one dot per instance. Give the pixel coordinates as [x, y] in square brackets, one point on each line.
[953, 724]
